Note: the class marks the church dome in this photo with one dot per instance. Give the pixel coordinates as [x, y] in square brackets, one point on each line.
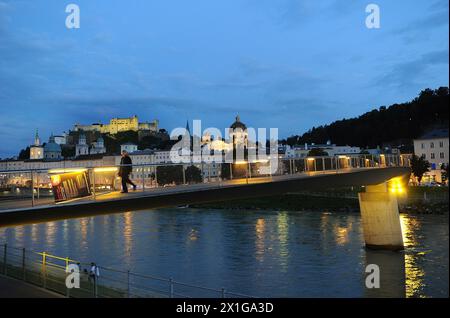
[238, 124]
[52, 147]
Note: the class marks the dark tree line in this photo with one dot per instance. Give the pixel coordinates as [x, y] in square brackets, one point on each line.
[174, 174]
[398, 122]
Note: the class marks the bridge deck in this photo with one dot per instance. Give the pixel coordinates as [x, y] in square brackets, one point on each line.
[116, 202]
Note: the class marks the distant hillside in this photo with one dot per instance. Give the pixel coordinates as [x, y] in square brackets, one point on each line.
[398, 122]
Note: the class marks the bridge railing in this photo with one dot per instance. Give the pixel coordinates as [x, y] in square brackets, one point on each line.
[51, 272]
[31, 187]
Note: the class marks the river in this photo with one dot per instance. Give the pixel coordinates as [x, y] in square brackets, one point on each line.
[260, 253]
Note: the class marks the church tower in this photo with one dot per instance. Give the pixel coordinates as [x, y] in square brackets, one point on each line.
[81, 148]
[36, 150]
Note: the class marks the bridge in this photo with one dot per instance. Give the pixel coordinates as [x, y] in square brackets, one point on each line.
[378, 204]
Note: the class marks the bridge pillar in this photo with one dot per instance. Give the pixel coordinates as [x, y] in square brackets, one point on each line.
[380, 218]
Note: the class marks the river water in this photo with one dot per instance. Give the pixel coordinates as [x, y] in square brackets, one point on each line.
[260, 253]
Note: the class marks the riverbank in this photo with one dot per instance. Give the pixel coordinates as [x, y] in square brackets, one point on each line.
[420, 200]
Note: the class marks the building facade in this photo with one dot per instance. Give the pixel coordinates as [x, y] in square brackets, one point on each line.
[97, 147]
[331, 149]
[81, 148]
[433, 146]
[128, 147]
[117, 125]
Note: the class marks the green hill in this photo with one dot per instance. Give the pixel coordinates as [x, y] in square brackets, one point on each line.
[397, 124]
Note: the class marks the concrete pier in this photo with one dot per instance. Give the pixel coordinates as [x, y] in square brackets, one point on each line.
[380, 218]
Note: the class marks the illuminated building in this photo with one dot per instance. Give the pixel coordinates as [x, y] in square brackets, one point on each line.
[128, 147]
[97, 147]
[37, 150]
[238, 133]
[329, 148]
[81, 148]
[120, 124]
[433, 147]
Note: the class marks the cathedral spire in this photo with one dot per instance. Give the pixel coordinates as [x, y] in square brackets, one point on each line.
[37, 141]
[188, 131]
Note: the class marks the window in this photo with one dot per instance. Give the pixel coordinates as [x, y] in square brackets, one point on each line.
[424, 156]
[423, 146]
[441, 144]
[441, 155]
[431, 144]
[432, 155]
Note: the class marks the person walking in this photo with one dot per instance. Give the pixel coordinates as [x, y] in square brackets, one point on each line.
[125, 171]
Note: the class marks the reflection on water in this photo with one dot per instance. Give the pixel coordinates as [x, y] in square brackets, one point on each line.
[291, 254]
[414, 255]
[283, 237]
[260, 238]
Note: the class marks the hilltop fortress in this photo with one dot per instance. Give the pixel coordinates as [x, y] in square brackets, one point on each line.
[117, 125]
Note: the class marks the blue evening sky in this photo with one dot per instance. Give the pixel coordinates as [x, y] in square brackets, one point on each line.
[290, 64]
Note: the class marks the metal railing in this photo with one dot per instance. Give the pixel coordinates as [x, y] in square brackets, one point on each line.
[32, 187]
[50, 272]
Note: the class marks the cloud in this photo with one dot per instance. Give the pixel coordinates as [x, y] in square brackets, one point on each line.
[297, 13]
[434, 17]
[402, 75]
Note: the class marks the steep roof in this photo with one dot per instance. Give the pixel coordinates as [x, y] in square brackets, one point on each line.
[435, 133]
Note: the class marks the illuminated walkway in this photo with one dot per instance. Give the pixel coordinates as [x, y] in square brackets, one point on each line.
[116, 202]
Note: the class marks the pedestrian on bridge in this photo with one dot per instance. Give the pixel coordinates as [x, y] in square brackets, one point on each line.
[94, 272]
[125, 171]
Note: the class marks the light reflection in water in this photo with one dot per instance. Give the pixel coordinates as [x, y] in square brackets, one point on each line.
[193, 235]
[128, 232]
[414, 274]
[283, 236]
[260, 228]
[341, 233]
[83, 228]
[50, 232]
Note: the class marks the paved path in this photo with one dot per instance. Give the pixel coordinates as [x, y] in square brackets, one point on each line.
[13, 288]
[26, 203]
[116, 202]
[23, 203]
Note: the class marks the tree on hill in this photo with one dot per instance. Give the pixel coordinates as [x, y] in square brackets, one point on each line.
[113, 142]
[67, 151]
[156, 142]
[398, 121]
[24, 154]
[419, 167]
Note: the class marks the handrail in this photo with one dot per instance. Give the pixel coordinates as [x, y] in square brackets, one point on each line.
[348, 156]
[24, 260]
